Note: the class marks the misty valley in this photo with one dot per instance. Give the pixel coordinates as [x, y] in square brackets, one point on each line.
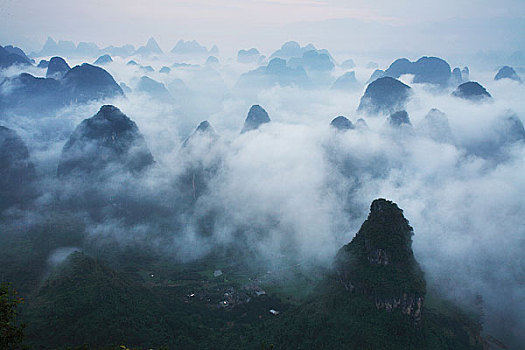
[294, 199]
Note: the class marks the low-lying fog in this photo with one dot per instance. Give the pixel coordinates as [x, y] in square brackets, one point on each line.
[297, 187]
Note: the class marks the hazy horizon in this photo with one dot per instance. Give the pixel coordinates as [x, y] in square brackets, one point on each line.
[428, 28]
[442, 137]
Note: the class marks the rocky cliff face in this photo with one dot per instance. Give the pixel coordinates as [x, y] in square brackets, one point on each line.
[379, 262]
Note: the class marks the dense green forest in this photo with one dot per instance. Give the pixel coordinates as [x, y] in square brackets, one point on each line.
[110, 297]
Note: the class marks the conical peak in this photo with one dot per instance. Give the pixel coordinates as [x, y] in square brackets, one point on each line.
[205, 126]
[256, 117]
[110, 113]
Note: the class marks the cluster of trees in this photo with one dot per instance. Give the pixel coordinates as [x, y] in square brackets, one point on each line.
[11, 332]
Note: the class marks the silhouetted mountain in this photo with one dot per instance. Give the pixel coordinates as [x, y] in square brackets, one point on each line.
[399, 67]
[384, 95]
[505, 132]
[87, 82]
[87, 49]
[248, 56]
[203, 129]
[374, 298]
[165, 70]
[184, 65]
[346, 82]
[62, 48]
[200, 164]
[313, 61]
[399, 118]
[122, 51]
[292, 49]
[212, 61]
[17, 51]
[361, 124]
[28, 94]
[69, 49]
[348, 64]
[151, 48]
[277, 72]
[107, 141]
[154, 89]
[214, 50]
[256, 117]
[10, 55]
[43, 64]
[456, 77]
[379, 262]
[472, 91]
[378, 73]
[436, 126]
[104, 59]
[465, 74]
[125, 88]
[179, 88]
[510, 129]
[17, 172]
[78, 85]
[430, 70]
[50, 48]
[507, 72]
[57, 68]
[342, 123]
[147, 69]
[189, 48]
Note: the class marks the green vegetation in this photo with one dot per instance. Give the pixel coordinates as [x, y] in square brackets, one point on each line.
[379, 261]
[113, 297]
[11, 333]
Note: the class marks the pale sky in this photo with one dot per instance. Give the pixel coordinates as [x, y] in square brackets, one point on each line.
[234, 24]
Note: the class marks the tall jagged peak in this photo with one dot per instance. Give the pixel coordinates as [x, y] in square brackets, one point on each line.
[107, 138]
[153, 45]
[204, 129]
[379, 261]
[205, 126]
[256, 117]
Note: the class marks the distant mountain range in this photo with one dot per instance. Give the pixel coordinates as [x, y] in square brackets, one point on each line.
[84, 49]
